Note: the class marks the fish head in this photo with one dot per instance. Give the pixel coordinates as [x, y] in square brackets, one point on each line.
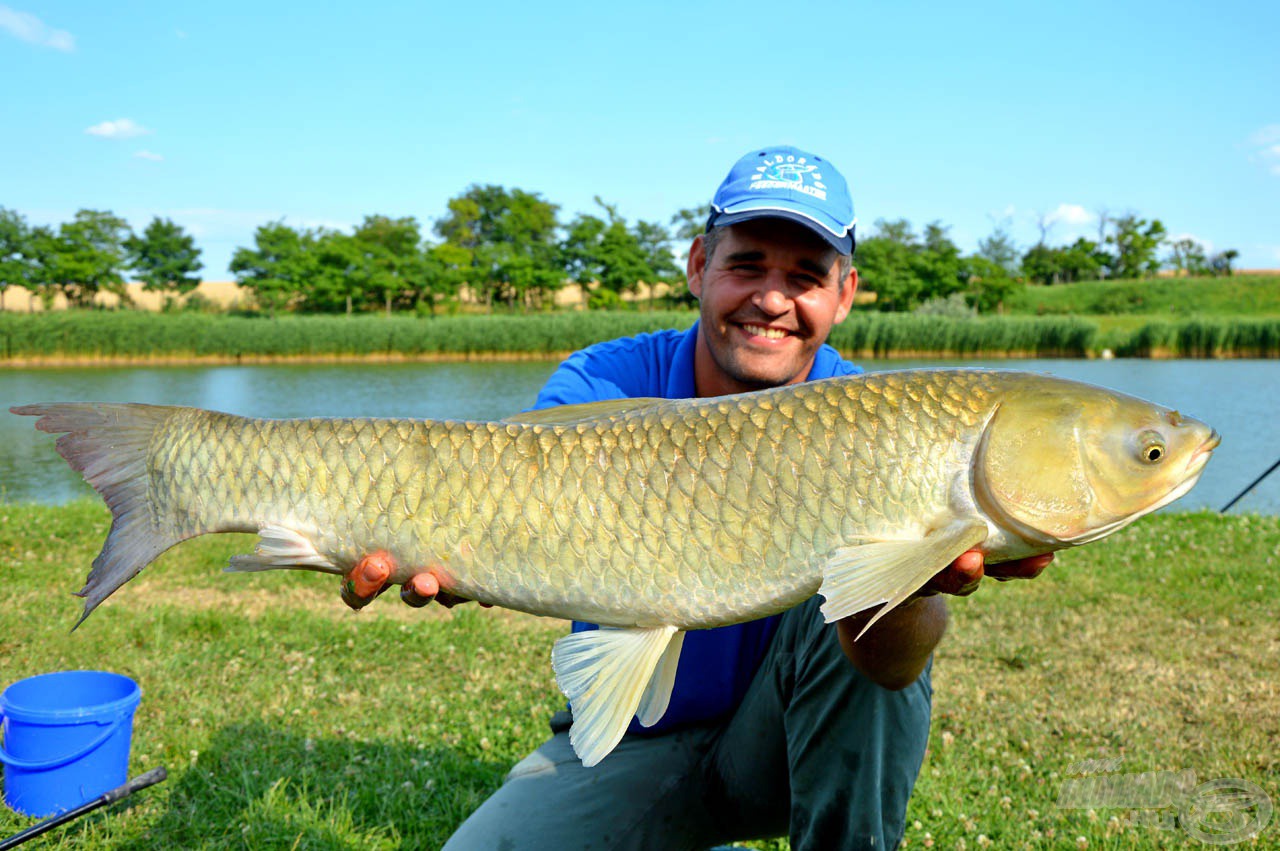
[1063, 463]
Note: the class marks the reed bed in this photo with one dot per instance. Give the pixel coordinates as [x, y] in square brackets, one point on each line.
[1205, 338]
[116, 336]
[900, 335]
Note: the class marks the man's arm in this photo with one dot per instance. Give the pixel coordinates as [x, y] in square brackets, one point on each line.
[894, 651]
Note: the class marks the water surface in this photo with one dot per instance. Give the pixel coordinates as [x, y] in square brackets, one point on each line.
[1241, 398]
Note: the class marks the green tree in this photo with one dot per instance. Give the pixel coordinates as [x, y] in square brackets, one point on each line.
[40, 256]
[1186, 256]
[1042, 264]
[165, 258]
[1083, 260]
[885, 262]
[690, 222]
[15, 237]
[445, 268]
[606, 251]
[1136, 242]
[511, 235]
[989, 284]
[1221, 263]
[89, 256]
[937, 264]
[280, 266]
[655, 246]
[341, 274]
[999, 248]
[394, 265]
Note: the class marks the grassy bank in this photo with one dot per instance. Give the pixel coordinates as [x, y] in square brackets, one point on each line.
[1239, 295]
[287, 721]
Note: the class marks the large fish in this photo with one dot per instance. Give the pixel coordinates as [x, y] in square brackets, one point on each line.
[649, 516]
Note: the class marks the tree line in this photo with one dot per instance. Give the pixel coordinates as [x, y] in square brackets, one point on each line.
[509, 247]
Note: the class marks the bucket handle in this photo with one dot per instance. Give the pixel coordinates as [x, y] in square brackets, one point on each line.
[28, 765]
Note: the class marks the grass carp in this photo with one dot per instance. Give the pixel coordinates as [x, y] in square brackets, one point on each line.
[648, 516]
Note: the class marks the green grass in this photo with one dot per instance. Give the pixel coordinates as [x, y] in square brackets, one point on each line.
[287, 721]
[1239, 295]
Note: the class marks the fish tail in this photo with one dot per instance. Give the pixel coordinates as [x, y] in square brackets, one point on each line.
[108, 445]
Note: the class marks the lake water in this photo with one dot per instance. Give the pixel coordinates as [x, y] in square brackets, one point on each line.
[1240, 398]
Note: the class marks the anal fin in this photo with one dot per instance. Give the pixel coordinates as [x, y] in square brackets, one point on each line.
[889, 572]
[606, 673]
[281, 547]
[657, 695]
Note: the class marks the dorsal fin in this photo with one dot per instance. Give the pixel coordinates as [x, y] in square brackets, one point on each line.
[574, 414]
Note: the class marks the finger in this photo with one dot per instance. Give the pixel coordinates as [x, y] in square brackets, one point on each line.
[1027, 568]
[420, 590]
[367, 579]
[448, 600]
[962, 576]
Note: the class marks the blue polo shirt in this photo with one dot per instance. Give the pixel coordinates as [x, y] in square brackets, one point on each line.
[716, 665]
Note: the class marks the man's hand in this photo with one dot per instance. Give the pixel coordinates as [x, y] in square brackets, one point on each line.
[365, 582]
[962, 576]
[896, 649]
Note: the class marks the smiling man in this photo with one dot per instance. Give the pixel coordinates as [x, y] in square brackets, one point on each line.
[781, 726]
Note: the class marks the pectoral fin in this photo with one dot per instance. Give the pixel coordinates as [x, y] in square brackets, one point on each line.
[606, 673]
[280, 547]
[888, 572]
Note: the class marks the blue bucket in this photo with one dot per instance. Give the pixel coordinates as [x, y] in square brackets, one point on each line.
[66, 739]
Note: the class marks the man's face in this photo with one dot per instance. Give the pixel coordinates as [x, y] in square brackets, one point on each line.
[768, 300]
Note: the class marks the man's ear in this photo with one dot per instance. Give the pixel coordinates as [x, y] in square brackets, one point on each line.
[846, 295]
[697, 261]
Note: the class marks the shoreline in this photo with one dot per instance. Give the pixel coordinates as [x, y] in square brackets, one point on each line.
[85, 361]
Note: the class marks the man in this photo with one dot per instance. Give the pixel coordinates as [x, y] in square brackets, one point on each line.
[779, 726]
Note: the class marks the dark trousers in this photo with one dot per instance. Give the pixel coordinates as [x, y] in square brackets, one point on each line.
[815, 751]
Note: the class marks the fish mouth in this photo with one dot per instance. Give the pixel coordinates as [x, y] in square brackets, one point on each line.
[1210, 444]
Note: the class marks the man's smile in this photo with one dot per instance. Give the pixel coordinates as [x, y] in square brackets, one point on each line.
[765, 331]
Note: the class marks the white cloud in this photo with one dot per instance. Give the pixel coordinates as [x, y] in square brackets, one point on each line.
[121, 128]
[1265, 136]
[148, 155]
[1264, 144]
[29, 28]
[1070, 214]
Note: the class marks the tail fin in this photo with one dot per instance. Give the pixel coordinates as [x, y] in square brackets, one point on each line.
[107, 444]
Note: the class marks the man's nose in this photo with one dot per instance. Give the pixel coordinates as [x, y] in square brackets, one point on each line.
[773, 297]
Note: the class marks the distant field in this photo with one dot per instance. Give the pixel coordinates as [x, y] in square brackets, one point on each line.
[287, 721]
[1239, 295]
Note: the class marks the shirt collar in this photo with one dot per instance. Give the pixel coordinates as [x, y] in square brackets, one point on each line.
[680, 380]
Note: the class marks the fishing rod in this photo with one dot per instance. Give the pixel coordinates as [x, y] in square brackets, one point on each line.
[142, 781]
[1252, 485]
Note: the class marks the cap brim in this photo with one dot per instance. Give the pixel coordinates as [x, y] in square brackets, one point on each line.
[843, 244]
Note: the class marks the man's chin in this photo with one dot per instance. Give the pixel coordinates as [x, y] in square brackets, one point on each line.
[761, 376]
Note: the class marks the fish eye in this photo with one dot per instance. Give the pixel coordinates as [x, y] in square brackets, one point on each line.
[1153, 449]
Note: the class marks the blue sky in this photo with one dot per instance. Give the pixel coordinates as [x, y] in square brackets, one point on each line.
[226, 116]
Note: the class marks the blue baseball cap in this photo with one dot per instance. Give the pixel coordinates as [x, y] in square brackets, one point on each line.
[787, 183]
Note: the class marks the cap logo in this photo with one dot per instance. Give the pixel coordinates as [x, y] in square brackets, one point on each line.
[789, 172]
